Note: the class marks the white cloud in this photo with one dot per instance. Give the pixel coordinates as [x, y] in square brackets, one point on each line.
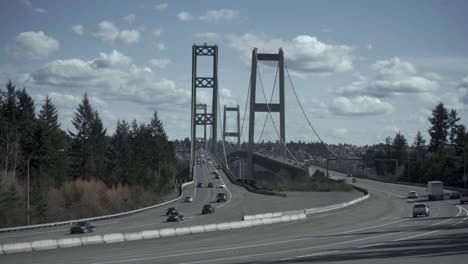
[160, 46]
[360, 106]
[78, 29]
[220, 14]
[185, 16]
[157, 32]
[130, 18]
[464, 83]
[369, 46]
[29, 5]
[160, 63]
[303, 54]
[390, 78]
[210, 15]
[108, 32]
[162, 6]
[35, 45]
[207, 35]
[110, 76]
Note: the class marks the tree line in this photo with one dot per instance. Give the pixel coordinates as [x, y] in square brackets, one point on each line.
[80, 172]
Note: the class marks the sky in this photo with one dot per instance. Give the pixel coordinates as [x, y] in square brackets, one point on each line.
[361, 70]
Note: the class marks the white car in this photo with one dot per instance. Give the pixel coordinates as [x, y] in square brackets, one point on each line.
[222, 186]
[188, 199]
[421, 209]
[412, 195]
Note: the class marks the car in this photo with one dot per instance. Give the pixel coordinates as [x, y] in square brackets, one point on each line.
[421, 209]
[218, 167]
[208, 209]
[454, 195]
[217, 176]
[222, 185]
[215, 172]
[412, 195]
[170, 210]
[200, 185]
[82, 227]
[210, 185]
[221, 197]
[188, 199]
[175, 216]
[464, 198]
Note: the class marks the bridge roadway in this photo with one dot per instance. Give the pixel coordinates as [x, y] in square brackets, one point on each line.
[239, 201]
[378, 230]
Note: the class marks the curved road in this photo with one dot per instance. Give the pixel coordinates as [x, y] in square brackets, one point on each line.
[239, 201]
[378, 230]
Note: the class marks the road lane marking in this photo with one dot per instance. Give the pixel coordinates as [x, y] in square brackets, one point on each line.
[371, 245]
[366, 228]
[375, 189]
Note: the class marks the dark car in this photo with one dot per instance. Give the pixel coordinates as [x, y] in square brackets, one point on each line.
[217, 176]
[208, 209]
[171, 210]
[454, 195]
[200, 184]
[221, 197]
[82, 227]
[210, 185]
[175, 216]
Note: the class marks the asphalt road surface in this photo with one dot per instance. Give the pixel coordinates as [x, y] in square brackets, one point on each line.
[378, 230]
[239, 201]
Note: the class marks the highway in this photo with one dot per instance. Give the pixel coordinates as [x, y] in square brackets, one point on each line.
[378, 230]
[239, 201]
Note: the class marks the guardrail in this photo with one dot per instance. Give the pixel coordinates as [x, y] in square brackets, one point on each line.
[146, 234]
[97, 218]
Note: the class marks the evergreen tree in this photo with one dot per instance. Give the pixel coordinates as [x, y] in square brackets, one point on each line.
[419, 143]
[440, 124]
[453, 126]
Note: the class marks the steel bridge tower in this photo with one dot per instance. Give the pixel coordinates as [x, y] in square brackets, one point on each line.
[204, 82]
[266, 107]
[232, 134]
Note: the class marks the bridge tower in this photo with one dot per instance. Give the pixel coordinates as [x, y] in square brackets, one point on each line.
[201, 141]
[266, 107]
[232, 134]
[204, 82]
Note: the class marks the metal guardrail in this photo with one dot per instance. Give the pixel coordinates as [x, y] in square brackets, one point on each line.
[97, 218]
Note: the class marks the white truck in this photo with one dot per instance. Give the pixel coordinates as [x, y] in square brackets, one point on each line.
[435, 190]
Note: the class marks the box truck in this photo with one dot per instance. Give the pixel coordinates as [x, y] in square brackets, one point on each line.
[435, 190]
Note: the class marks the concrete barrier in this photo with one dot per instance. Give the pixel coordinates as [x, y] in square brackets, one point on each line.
[113, 238]
[210, 227]
[294, 217]
[167, 232]
[285, 218]
[182, 231]
[235, 225]
[257, 222]
[223, 226]
[276, 220]
[69, 242]
[133, 236]
[267, 221]
[302, 216]
[247, 223]
[148, 234]
[197, 229]
[17, 247]
[92, 240]
[44, 244]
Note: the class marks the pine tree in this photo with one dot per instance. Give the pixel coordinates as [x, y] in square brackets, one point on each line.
[419, 143]
[440, 124]
[453, 126]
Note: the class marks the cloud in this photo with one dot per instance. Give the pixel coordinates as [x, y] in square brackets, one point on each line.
[210, 15]
[78, 29]
[160, 63]
[185, 16]
[29, 5]
[157, 32]
[360, 106]
[162, 6]
[35, 45]
[221, 14]
[463, 83]
[130, 18]
[110, 76]
[160, 46]
[304, 54]
[108, 32]
[390, 78]
[340, 133]
[207, 35]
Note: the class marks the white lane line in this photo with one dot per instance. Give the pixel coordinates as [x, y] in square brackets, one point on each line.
[375, 189]
[431, 232]
[371, 245]
[370, 227]
[246, 247]
[316, 254]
